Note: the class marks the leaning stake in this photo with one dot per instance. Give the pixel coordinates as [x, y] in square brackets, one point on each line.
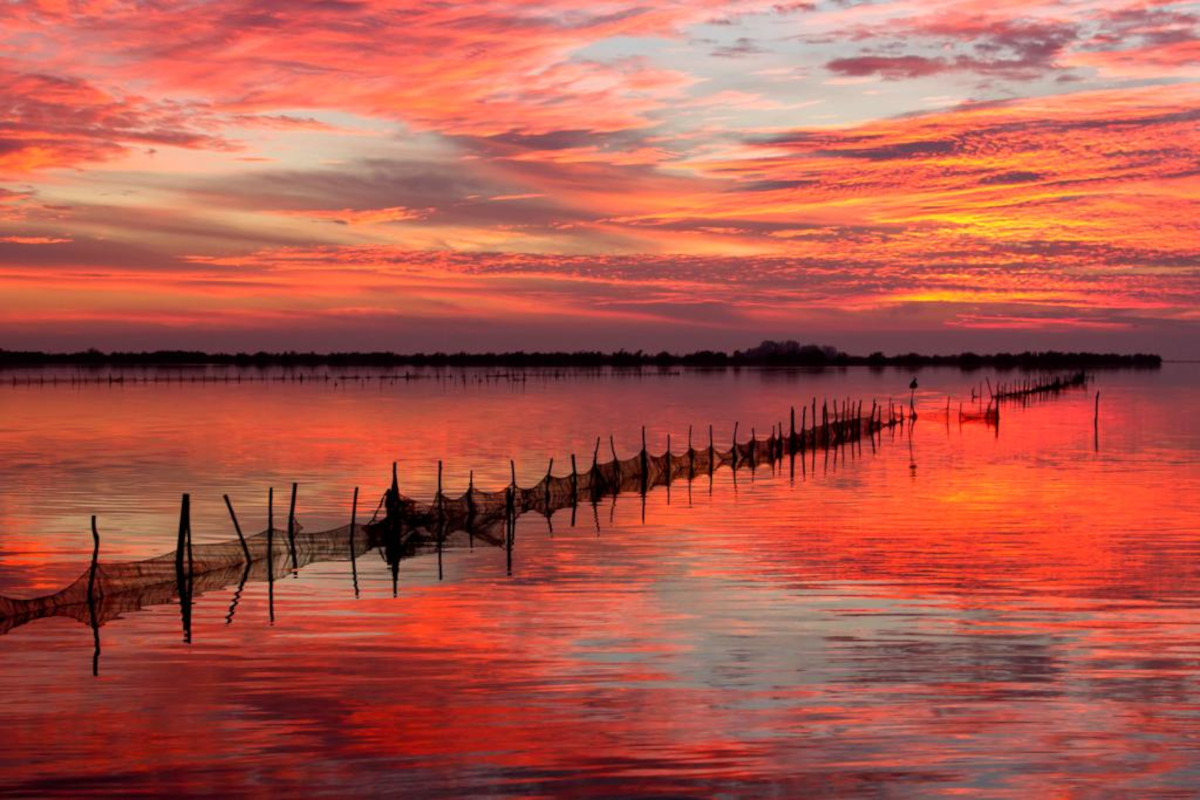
[238, 529]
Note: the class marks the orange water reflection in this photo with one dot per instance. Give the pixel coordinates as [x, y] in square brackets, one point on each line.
[1013, 617]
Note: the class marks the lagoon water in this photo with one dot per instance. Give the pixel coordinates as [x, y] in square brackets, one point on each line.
[948, 610]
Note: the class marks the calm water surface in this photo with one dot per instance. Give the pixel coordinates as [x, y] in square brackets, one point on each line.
[953, 610]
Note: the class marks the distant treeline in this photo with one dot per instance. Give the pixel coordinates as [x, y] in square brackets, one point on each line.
[767, 354]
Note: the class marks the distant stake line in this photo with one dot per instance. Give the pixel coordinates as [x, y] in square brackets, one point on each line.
[409, 526]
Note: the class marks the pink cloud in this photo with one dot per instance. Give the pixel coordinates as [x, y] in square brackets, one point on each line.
[33, 240]
[361, 216]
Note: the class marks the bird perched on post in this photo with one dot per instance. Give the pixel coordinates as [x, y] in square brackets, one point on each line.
[912, 396]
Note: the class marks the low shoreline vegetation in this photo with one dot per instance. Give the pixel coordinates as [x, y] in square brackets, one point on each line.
[767, 354]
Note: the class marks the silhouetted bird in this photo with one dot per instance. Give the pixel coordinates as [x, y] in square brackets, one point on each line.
[913, 385]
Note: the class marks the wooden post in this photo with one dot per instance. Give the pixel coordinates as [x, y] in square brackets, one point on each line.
[238, 529]
[645, 463]
[292, 527]
[574, 483]
[95, 561]
[1096, 418]
[184, 578]
[470, 498]
[691, 457]
[668, 455]
[735, 447]
[181, 541]
[353, 523]
[510, 530]
[91, 595]
[792, 434]
[271, 547]
[439, 517]
[712, 454]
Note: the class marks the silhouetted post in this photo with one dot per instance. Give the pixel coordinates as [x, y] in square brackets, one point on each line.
[91, 595]
[512, 494]
[181, 540]
[291, 529]
[510, 526]
[470, 500]
[574, 484]
[734, 449]
[95, 560]
[691, 457]
[238, 529]
[549, 470]
[597, 484]
[184, 579]
[353, 557]
[440, 517]
[645, 459]
[1096, 418]
[791, 454]
[792, 430]
[439, 521]
[668, 456]
[271, 551]
[711, 452]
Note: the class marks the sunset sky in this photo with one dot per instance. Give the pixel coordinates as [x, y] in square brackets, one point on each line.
[333, 174]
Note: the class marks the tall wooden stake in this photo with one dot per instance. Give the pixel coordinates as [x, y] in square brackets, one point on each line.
[238, 529]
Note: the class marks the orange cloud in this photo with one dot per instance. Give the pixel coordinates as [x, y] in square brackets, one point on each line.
[369, 216]
[32, 240]
[620, 161]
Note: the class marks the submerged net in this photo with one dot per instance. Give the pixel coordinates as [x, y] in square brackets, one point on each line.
[409, 526]
[1040, 386]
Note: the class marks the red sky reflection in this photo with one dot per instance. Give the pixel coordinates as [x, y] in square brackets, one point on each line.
[954, 611]
[245, 174]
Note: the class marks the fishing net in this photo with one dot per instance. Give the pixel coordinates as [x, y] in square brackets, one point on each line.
[409, 526]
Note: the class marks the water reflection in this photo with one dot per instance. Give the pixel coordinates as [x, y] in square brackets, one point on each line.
[1017, 616]
[410, 528]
